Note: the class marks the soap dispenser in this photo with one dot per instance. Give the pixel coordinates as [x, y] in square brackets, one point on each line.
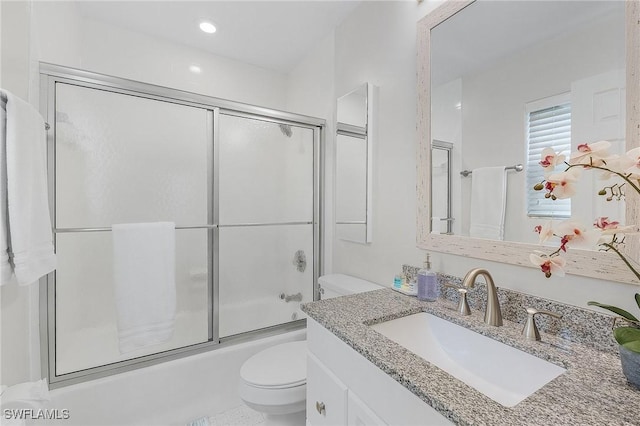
[427, 282]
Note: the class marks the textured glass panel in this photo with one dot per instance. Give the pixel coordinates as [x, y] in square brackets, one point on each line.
[86, 333]
[351, 179]
[257, 264]
[122, 158]
[266, 171]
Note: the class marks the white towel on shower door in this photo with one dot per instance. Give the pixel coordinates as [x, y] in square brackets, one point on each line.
[488, 203]
[27, 239]
[145, 283]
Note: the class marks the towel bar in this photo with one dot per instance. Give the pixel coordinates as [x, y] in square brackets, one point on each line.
[517, 168]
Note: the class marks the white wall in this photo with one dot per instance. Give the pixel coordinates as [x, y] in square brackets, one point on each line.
[377, 43]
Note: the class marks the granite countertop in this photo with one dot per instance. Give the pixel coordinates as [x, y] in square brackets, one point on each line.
[593, 390]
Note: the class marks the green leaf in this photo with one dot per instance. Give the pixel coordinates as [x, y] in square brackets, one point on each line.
[625, 335]
[638, 299]
[633, 346]
[616, 310]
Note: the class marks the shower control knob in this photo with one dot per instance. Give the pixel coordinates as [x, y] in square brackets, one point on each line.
[320, 407]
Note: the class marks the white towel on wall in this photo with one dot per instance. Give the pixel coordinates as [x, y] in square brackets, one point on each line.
[488, 203]
[26, 224]
[144, 282]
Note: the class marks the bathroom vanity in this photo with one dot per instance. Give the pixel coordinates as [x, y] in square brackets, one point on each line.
[358, 376]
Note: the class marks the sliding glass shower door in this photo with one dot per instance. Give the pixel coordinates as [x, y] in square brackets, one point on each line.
[125, 159]
[266, 212]
[241, 185]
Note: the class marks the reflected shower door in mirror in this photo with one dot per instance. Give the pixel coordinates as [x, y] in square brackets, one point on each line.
[511, 78]
[354, 147]
[441, 181]
[503, 80]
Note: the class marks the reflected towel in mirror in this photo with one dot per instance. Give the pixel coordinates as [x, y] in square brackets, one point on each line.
[488, 203]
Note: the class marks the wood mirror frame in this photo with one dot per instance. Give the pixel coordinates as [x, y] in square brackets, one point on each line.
[601, 265]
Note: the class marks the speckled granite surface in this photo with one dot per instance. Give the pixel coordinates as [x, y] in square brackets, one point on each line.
[578, 325]
[593, 391]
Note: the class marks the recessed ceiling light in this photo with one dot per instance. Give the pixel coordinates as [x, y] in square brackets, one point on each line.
[195, 69]
[207, 27]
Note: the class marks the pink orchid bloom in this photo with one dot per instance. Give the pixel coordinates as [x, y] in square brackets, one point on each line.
[549, 159]
[591, 153]
[545, 231]
[576, 235]
[611, 228]
[548, 264]
[562, 184]
[603, 223]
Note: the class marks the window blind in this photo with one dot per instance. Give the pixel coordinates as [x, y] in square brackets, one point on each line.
[547, 128]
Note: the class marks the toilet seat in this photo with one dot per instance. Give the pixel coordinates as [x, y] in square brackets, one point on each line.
[278, 367]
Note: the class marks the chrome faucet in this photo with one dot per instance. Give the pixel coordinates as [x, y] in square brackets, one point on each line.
[492, 313]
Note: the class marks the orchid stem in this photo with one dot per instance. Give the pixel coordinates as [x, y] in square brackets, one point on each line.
[625, 177]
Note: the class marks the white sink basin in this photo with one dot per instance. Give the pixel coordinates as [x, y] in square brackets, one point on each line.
[504, 374]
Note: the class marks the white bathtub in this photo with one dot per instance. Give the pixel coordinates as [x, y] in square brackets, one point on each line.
[170, 393]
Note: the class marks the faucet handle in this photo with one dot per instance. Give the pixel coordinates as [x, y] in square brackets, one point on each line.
[530, 330]
[463, 305]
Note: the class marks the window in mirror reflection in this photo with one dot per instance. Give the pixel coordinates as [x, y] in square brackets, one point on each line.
[548, 126]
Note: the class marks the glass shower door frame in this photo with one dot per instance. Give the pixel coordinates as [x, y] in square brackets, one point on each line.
[52, 75]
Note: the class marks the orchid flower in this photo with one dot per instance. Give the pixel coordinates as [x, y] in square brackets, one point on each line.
[562, 185]
[607, 234]
[549, 159]
[545, 231]
[548, 264]
[576, 235]
[591, 154]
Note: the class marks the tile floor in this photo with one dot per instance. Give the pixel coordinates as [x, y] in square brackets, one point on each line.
[237, 416]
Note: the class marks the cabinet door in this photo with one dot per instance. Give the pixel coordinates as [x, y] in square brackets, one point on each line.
[326, 396]
[359, 414]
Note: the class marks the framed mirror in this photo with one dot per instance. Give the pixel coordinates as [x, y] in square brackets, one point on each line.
[486, 71]
[354, 165]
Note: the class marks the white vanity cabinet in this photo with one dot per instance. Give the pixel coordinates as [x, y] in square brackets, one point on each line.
[344, 388]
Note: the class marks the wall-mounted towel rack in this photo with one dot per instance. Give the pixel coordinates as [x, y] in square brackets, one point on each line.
[517, 168]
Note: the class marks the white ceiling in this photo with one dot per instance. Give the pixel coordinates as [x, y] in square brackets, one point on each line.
[271, 34]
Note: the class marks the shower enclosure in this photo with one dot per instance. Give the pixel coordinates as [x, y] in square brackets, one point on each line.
[240, 182]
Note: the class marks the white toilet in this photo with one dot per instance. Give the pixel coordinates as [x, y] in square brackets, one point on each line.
[274, 381]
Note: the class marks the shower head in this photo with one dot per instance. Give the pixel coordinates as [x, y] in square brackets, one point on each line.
[286, 130]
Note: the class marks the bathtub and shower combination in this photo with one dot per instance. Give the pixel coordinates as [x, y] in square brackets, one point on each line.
[242, 185]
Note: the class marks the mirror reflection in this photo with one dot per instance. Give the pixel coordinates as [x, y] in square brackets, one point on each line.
[441, 196]
[354, 141]
[503, 88]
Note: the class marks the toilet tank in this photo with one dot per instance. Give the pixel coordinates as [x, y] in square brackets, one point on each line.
[334, 285]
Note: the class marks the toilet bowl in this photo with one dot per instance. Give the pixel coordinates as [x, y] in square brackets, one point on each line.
[274, 381]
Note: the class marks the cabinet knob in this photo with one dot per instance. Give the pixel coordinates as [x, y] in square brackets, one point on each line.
[320, 407]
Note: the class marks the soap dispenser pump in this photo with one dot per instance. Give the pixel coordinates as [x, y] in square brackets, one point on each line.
[427, 282]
